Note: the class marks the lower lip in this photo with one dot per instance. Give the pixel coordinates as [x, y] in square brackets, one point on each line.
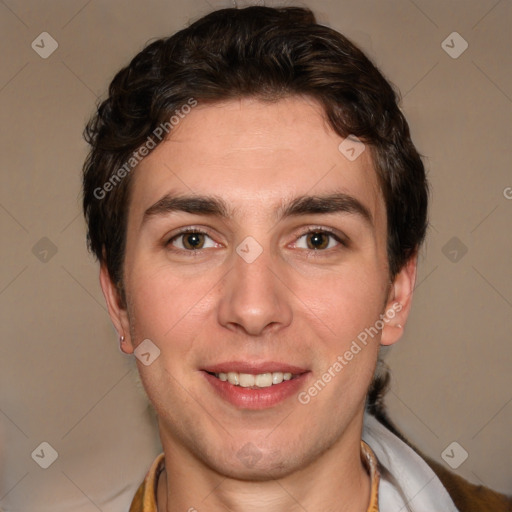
[262, 398]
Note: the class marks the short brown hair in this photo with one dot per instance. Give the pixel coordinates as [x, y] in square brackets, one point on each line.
[262, 52]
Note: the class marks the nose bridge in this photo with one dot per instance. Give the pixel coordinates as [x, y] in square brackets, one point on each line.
[253, 297]
[254, 273]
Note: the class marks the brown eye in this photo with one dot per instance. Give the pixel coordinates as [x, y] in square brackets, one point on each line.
[318, 240]
[191, 241]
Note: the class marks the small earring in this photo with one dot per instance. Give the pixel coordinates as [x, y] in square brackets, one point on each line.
[399, 326]
[121, 344]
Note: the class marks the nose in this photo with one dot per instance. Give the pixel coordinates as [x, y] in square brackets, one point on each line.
[254, 299]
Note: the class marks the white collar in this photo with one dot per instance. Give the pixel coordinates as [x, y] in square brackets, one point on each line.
[421, 486]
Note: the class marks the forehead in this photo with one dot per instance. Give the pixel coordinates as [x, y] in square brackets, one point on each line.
[255, 154]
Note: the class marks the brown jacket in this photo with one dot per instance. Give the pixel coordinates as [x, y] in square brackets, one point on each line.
[466, 496]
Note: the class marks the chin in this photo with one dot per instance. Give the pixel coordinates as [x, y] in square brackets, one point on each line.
[263, 471]
[250, 463]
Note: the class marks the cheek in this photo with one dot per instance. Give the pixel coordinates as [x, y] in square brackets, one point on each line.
[172, 311]
[351, 344]
[159, 298]
[166, 311]
[346, 303]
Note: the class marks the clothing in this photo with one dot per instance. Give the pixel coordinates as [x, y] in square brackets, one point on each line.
[422, 490]
[421, 484]
[420, 477]
[145, 498]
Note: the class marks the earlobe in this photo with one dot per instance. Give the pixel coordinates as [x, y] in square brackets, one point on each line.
[116, 310]
[399, 302]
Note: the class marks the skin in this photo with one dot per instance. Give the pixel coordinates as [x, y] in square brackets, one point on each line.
[293, 304]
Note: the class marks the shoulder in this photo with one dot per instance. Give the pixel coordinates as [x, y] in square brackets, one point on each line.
[467, 496]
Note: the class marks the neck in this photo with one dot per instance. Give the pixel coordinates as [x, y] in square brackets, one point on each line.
[336, 481]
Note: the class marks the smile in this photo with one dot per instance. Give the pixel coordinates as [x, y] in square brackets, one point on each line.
[260, 389]
[248, 380]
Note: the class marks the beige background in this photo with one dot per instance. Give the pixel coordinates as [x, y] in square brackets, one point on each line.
[62, 378]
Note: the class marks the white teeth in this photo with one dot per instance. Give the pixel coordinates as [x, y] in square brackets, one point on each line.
[264, 380]
[233, 378]
[247, 380]
[277, 377]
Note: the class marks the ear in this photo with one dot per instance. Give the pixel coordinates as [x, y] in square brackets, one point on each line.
[399, 302]
[116, 309]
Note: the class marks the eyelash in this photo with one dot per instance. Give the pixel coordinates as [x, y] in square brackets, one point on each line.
[313, 252]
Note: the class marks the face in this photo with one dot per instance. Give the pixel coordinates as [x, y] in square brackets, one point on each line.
[255, 250]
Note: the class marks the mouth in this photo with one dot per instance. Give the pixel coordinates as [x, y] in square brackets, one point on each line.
[255, 386]
[260, 380]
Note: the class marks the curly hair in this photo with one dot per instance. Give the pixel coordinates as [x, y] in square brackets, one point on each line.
[265, 53]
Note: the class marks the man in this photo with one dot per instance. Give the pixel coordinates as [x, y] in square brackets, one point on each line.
[256, 203]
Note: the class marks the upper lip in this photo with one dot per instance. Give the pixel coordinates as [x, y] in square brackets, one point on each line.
[254, 368]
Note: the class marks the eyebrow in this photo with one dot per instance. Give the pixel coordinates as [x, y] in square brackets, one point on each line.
[299, 206]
